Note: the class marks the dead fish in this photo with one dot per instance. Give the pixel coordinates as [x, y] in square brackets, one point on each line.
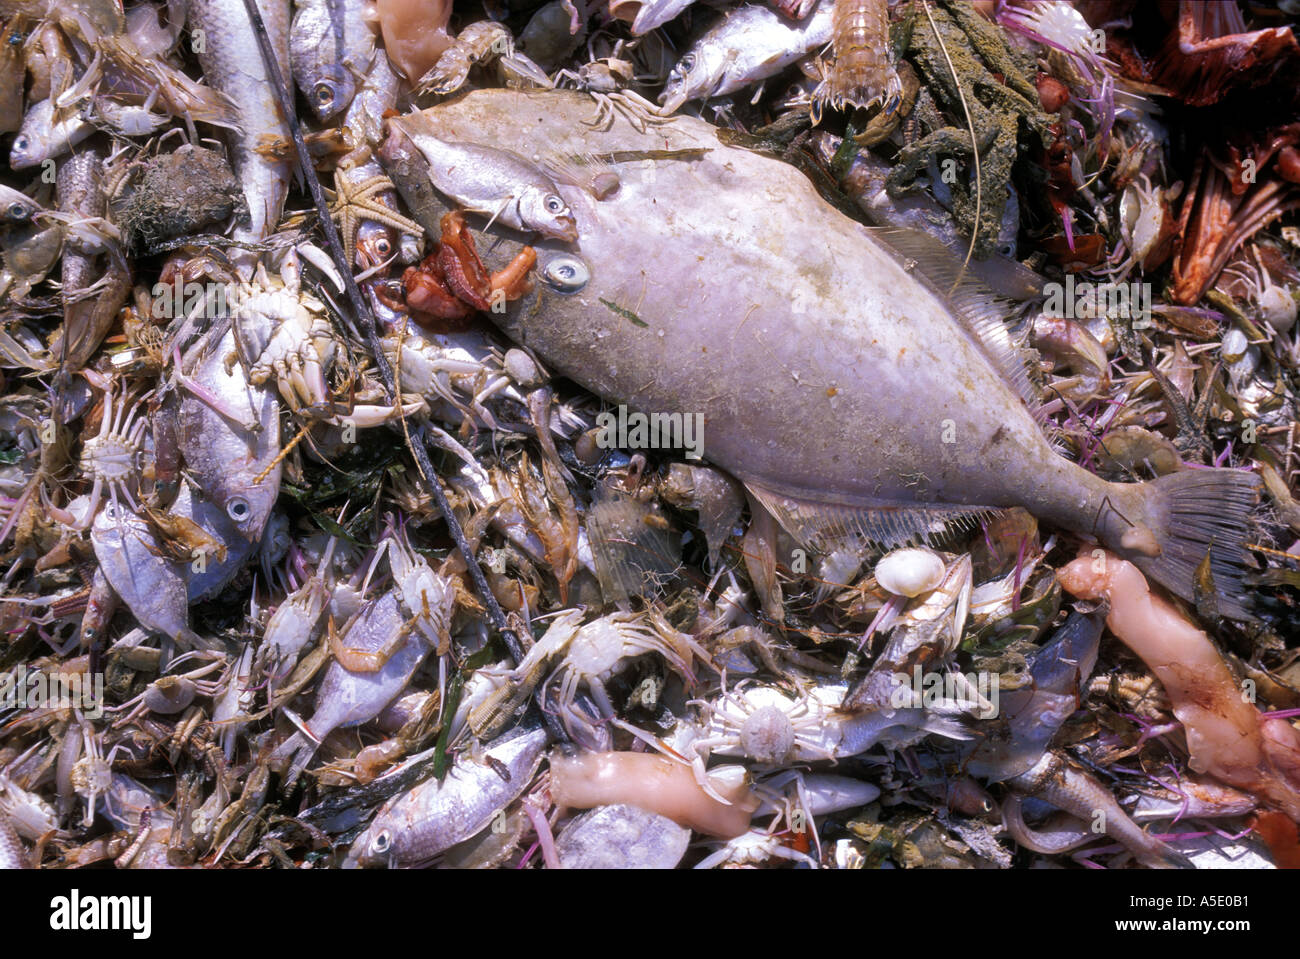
[232, 448]
[416, 826]
[96, 278]
[863, 181]
[45, 135]
[157, 588]
[151, 585]
[749, 44]
[621, 837]
[330, 46]
[493, 181]
[232, 64]
[837, 378]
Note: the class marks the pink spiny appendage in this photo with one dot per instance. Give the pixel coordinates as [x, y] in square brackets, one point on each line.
[1149, 729]
[1067, 223]
[545, 839]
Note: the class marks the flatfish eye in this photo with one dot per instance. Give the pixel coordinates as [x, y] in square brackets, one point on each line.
[566, 274]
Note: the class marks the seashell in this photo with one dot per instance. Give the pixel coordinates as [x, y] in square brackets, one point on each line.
[909, 572]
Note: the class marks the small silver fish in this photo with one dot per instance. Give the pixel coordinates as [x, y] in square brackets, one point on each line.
[749, 44]
[41, 137]
[232, 64]
[412, 828]
[230, 450]
[330, 47]
[492, 180]
[87, 315]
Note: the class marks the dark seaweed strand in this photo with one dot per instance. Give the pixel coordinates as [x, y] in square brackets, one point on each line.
[368, 328]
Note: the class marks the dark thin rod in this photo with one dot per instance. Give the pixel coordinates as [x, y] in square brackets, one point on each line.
[368, 328]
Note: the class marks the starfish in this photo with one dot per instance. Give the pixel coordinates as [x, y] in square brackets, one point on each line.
[354, 203]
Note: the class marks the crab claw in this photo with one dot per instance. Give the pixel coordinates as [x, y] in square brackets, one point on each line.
[366, 417]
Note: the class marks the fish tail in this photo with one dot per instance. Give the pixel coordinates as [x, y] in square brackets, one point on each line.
[1188, 515]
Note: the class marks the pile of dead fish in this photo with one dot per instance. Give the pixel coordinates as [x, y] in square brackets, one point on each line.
[831, 433]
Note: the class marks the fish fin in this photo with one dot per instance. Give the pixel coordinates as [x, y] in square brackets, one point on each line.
[979, 310]
[634, 550]
[822, 526]
[1194, 512]
[581, 171]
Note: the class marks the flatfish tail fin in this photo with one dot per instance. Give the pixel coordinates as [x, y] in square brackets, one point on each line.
[1198, 512]
[978, 309]
[824, 526]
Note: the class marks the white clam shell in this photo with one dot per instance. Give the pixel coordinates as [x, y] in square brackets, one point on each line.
[910, 572]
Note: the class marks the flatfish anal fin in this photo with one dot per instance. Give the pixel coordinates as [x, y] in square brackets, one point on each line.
[636, 551]
[978, 309]
[823, 525]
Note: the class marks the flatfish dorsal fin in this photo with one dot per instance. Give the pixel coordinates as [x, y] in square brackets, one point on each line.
[978, 309]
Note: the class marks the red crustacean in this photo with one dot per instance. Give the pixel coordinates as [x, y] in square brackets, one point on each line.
[452, 283]
[1226, 204]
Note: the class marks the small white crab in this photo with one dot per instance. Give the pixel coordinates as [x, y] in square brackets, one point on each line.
[765, 724]
[594, 654]
[112, 457]
[607, 82]
[1274, 303]
[282, 331]
[750, 849]
[92, 774]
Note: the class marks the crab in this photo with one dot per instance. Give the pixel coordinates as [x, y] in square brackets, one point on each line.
[607, 81]
[1274, 303]
[765, 724]
[112, 457]
[283, 332]
[92, 774]
[750, 849]
[594, 653]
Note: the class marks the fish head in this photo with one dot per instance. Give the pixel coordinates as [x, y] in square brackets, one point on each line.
[700, 74]
[686, 81]
[17, 208]
[332, 90]
[28, 150]
[548, 213]
[246, 511]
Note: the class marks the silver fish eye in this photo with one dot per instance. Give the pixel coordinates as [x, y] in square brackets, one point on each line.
[686, 63]
[324, 93]
[17, 211]
[238, 509]
[554, 204]
[382, 842]
[566, 274]
[21, 142]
